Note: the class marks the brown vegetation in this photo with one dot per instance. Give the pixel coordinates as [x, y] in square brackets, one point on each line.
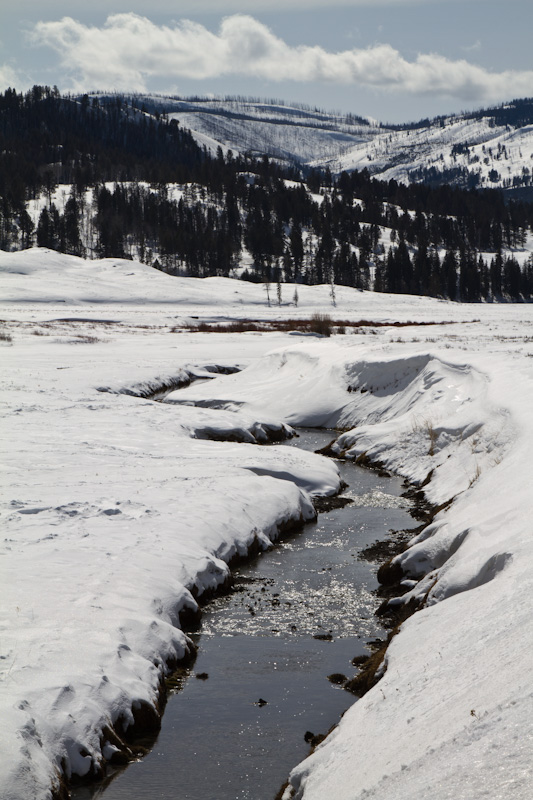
[318, 323]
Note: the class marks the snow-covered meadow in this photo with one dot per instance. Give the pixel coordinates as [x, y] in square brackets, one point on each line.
[119, 512]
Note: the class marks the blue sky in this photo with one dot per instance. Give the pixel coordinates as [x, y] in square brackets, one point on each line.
[395, 60]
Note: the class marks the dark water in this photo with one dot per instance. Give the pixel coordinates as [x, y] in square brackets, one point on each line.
[217, 742]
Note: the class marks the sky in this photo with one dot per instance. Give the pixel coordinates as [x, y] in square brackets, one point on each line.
[393, 60]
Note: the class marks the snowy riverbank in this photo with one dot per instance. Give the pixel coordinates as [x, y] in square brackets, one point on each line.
[117, 512]
[453, 709]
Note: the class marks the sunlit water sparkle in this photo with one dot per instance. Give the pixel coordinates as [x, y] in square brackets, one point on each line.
[260, 642]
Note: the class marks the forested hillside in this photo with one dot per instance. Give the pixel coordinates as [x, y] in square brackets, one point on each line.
[108, 177]
[490, 148]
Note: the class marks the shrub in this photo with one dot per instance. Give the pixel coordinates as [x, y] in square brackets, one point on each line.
[321, 323]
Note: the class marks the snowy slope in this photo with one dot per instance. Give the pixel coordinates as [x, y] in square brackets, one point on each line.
[47, 278]
[494, 156]
[296, 139]
[292, 132]
[492, 153]
[117, 512]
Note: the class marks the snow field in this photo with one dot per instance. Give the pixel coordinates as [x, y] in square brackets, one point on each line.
[118, 513]
[115, 518]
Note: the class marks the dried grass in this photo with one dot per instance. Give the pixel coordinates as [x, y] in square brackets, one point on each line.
[318, 323]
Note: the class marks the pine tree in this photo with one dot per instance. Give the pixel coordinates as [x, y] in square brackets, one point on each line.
[449, 270]
[496, 276]
[73, 244]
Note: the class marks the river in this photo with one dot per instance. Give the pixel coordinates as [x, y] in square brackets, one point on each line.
[298, 613]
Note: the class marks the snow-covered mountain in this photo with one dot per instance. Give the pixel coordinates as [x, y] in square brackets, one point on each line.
[492, 148]
[287, 132]
[477, 153]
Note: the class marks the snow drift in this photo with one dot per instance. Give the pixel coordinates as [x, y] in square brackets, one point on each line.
[455, 677]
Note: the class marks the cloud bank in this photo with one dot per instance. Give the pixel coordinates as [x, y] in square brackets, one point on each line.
[128, 50]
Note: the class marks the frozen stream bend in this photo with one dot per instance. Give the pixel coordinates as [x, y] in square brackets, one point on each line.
[130, 514]
[259, 642]
[455, 691]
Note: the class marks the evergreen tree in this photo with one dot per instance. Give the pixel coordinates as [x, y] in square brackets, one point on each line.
[496, 275]
[73, 244]
[450, 272]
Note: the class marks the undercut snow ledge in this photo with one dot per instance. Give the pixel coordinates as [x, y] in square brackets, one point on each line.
[73, 717]
[116, 521]
[458, 669]
[453, 709]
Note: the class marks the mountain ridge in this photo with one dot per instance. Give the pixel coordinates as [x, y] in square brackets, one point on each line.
[488, 148]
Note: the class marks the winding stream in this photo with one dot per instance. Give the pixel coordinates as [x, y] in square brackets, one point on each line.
[237, 733]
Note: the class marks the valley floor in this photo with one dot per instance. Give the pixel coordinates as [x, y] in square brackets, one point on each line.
[119, 512]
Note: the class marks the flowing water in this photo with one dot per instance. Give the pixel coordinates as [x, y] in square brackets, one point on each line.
[297, 614]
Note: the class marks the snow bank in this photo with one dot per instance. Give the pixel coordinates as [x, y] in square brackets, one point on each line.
[407, 413]
[453, 709]
[118, 514]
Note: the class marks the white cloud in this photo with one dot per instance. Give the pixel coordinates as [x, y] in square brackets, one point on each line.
[8, 77]
[473, 47]
[130, 49]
